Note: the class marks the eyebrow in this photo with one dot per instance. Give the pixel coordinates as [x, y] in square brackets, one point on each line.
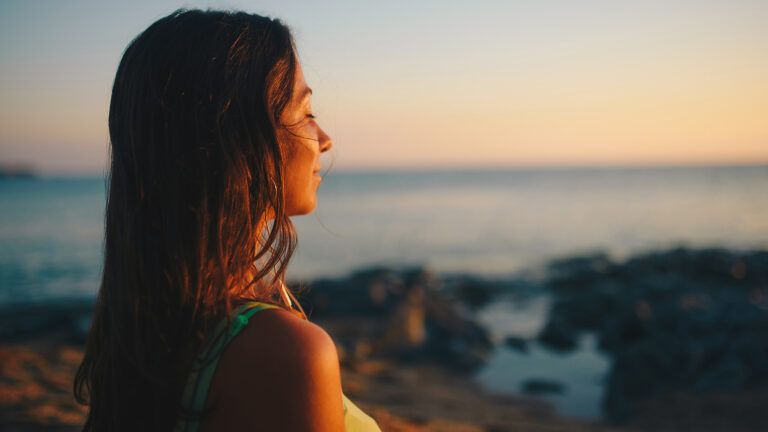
[306, 92]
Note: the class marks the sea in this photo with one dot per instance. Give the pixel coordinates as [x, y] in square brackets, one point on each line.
[490, 222]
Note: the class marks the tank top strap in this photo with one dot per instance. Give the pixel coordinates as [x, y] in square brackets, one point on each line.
[204, 366]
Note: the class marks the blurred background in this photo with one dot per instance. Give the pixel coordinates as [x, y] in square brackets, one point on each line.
[537, 215]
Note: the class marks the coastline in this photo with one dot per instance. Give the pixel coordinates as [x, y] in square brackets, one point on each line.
[36, 395]
[409, 342]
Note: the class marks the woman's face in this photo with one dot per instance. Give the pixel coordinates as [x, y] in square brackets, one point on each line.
[304, 141]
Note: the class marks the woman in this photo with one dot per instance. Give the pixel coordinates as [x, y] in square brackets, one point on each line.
[213, 147]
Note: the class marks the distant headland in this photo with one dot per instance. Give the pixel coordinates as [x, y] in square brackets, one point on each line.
[17, 170]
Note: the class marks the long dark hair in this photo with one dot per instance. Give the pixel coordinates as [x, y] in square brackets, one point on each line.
[196, 167]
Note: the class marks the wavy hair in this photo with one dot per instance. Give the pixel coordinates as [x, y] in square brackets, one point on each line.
[195, 217]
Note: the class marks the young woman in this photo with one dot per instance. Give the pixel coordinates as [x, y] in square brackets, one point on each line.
[213, 147]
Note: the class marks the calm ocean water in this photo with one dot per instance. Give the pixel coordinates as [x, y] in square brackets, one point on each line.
[490, 222]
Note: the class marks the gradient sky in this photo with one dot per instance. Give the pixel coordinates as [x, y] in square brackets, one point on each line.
[434, 83]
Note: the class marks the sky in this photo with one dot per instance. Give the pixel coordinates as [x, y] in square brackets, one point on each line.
[433, 84]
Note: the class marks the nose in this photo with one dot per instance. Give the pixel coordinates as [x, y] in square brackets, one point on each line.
[326, 143]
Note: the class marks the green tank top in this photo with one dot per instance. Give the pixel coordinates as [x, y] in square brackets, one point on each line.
[198, 382]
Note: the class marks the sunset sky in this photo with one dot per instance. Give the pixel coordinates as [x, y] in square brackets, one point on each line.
[434, 84]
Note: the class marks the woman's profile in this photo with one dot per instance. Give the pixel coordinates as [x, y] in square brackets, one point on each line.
[213, 147]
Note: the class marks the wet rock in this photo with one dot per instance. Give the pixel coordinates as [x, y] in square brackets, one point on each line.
[559, 335]
[517, 343]
[68, 318]
[542, 386]
[408, 316]
[672, 320]
[474, 291]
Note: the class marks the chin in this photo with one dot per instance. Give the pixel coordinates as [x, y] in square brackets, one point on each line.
[301, 209]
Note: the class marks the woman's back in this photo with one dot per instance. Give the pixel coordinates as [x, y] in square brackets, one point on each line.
[274, 371]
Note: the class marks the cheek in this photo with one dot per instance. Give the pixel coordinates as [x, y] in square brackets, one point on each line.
[300, 182]
[301, 156]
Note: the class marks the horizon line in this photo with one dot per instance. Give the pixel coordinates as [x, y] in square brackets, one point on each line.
[467, 168]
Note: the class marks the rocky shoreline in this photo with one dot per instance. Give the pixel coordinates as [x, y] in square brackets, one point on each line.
[685, 329]
[37, 370]
[674, 322]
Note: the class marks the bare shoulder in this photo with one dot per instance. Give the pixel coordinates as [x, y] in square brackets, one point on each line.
[280, 373]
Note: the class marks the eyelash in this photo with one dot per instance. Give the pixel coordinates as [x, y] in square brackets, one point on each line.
[312, 116]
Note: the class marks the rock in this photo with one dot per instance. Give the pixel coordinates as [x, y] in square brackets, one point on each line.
[474, 291]
[69, 318]
[675, 320]
[517, 343]
[541, 386]
[407, 313]
[559, 335]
